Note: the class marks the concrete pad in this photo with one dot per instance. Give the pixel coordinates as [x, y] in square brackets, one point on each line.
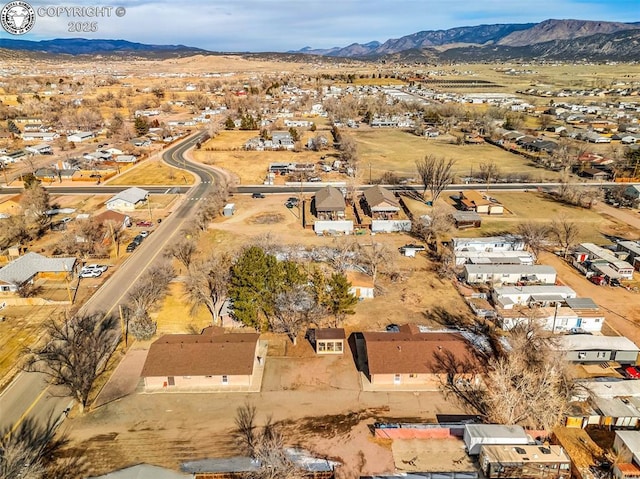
[124, 379]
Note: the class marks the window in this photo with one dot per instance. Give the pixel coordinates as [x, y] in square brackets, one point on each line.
[396, 379]
[322, 346]
[225, 379]
[597, 320]
[563, 322]
[582, 354]
[330, 346]
[601, 355]
[564, 467]
[413, 376]
[339, 346]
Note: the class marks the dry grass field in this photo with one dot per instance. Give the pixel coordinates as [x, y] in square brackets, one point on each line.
[395, 150]
[153, 172]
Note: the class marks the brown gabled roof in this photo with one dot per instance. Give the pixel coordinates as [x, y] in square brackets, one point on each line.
[377, 196]
[410, 351]
[330, 333]
[206, 354]
[110, 215]
[329, 199]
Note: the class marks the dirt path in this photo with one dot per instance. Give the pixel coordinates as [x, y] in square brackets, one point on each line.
[630, 217]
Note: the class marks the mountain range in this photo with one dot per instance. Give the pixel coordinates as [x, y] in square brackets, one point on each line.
[502, 41]
[563, 40]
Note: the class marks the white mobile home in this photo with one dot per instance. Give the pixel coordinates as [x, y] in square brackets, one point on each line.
[507, 297]
[509, 274]
[490, 243]
[494, 257]
[475, 435]
[585, 348]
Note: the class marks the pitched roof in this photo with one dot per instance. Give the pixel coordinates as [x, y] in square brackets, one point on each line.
[208, 354]
[25, 267]
[330, 333]
[130, 195]
[329, 198]
[410, 351]
[110, 215]
[377, 196]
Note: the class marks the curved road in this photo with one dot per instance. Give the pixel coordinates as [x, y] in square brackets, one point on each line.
[29, 393]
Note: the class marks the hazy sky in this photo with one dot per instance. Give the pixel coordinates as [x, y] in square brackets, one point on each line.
[281, 25]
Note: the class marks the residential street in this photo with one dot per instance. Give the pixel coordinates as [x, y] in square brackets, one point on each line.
[28, 395]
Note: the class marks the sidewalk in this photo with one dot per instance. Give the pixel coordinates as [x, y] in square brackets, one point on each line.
[125, 378]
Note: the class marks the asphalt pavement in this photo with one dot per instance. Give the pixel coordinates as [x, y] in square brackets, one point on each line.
[29, 395]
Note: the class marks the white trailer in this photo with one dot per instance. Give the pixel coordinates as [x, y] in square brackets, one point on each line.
[475, 435]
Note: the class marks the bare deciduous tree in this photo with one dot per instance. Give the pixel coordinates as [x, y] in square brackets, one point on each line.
[75, 352]
[489, 172]
[528, 385]
[245, 431]
[207, 284]
[436, 174]
[294, 309]
[376, 258]
[150, 288]
[35, 451]
[35, 203]
[566, 233]
[535, 235]
[429, 230]
[183, 250]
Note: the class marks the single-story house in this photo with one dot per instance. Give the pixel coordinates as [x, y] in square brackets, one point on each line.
[40, 136]
[329, 341]
[494, 257]
[380, 203]
[40, 149]
[471, 200]
[27, 268]
[524, 461]
[509, 273]
[411, 357]
[126, 159]
[507, 297]
[119, 219]
[200, 361]
[362, 286]
[81, 136]
[329, 203]
[489, 243]
[128, 200]
[633, 249]
[282, 139]
[584, 348]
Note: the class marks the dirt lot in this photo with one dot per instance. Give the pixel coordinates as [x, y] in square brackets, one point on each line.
[166, 429]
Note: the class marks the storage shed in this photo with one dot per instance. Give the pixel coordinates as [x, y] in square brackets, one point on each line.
[475, 435]
[229, 209]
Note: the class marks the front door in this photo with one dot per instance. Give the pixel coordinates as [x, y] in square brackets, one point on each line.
[171, 381]
[396, 379]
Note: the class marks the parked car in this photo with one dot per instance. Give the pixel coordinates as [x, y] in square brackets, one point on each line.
[599, 280]
[293, 200]
[91, 273]
[258, 195]
[144, 224]
[138, 239]
[97, 267]
[144, 234]
[393, 328]
[131, 246]
[632, 372]
[289, 205]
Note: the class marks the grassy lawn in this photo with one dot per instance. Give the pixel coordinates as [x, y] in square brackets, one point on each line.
[153, 172]
[396, 150]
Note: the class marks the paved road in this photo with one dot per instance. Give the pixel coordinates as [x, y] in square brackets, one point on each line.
[29, 395]
[306, 187]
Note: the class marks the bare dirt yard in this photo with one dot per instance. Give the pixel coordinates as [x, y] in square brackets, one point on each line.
[167, 429]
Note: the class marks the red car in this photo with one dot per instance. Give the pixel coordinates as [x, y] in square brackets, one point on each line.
[144, 224]
[632, 372]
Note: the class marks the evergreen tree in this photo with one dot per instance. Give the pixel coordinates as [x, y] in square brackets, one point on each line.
[339, 301]
[141, 126]
[229, 123]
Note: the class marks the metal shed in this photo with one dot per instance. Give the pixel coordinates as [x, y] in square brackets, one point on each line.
[229, 209]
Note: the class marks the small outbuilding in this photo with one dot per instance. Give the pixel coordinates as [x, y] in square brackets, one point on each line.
[477, 435]
[329, 341]
[229, 209]
[410, 250]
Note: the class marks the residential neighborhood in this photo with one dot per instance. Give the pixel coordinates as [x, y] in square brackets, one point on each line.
[300, 265]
